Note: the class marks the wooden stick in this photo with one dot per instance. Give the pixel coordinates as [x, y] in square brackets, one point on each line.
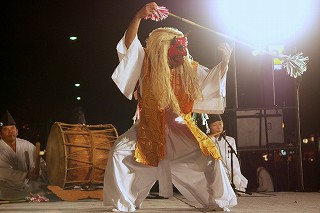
[221, 34]
[26, 155]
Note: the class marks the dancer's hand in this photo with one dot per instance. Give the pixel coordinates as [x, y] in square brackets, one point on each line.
[147, 10]
[226, 51]
[133, 28]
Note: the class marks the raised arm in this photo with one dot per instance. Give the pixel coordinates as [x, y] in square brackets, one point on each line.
[133, 28]
[226, 51]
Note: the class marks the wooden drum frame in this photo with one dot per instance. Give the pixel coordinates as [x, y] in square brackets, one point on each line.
[76, 155]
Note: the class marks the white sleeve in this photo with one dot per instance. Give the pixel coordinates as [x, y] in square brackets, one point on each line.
[128, 72]
[10, 172]
[213, 87]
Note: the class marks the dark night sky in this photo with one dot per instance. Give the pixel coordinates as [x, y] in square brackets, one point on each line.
[39, 64]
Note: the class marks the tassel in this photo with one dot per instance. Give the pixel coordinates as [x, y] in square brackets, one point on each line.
[296, 65]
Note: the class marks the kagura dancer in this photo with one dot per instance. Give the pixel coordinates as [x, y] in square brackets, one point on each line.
[165, 144]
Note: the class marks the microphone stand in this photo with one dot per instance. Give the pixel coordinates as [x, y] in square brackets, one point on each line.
[233, 152]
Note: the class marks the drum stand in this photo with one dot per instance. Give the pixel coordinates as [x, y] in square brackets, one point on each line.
[233, 152]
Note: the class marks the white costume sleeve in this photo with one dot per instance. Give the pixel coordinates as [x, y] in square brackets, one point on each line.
[12, 177]
[213, 87]
[128, 71]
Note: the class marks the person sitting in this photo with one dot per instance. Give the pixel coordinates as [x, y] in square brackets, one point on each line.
[18, 177]
[215, 128]
[264, 179]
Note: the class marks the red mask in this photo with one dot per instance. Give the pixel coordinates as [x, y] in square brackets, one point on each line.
[178, 51]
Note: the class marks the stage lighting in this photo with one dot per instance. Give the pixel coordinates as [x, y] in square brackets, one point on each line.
[265, 157]
[283, 152]
[312, 138]
[264, 22]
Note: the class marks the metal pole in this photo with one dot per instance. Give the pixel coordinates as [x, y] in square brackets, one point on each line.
[236, 104]
[299, 160]
[273, 84]
[300, 166]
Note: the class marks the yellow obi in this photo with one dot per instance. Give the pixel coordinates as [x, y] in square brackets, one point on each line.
[150, 146]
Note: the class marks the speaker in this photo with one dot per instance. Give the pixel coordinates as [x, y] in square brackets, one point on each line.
[259, 127]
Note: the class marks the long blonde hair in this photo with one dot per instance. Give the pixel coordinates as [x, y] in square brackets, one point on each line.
[158, 44]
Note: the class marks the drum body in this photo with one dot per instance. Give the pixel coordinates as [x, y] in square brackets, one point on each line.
[77, 155]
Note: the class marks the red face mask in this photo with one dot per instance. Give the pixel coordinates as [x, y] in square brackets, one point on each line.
[178, 51]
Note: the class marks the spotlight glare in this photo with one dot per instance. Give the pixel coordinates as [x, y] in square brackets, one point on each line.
[264, 22]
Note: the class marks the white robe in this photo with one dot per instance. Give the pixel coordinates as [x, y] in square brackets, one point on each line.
[201, 179]
[239, 180]
[264, 180]
[13, 170]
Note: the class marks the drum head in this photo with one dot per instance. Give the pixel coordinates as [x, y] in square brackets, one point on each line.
[55, 156]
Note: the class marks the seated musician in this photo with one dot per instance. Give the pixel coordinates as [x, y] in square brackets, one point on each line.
[20, 173]
[215, 125]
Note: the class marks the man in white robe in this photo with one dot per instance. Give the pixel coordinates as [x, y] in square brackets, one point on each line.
[215, 125]
[200, 178]
[17, 175]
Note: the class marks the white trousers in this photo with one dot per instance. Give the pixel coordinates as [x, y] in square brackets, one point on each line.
[200, 179]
